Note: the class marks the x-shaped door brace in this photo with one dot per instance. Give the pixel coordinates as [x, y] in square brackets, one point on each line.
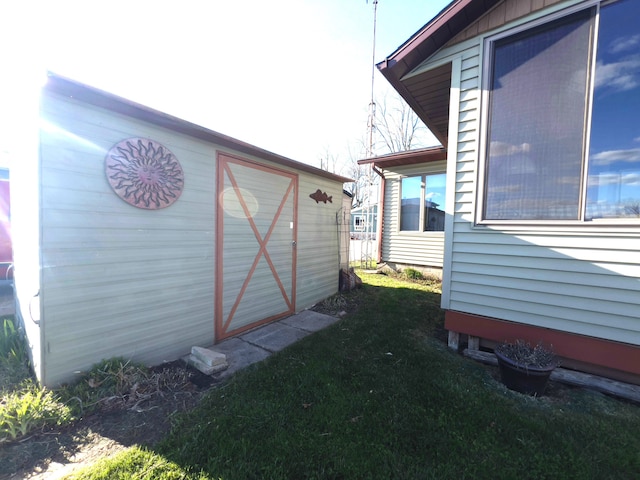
[261, 241]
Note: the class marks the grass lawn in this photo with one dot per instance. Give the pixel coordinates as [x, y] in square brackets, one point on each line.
[378, 395]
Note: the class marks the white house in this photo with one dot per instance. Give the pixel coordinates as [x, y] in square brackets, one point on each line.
[140, 235]
[413, 193]
[536, 105]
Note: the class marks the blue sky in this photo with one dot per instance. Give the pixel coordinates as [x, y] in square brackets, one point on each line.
[290, 76]
[615, 139]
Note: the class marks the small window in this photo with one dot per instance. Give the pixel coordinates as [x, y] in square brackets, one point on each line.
[359, 223]
[422, 203]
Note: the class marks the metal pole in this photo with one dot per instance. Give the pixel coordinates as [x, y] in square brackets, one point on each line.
[367, 242]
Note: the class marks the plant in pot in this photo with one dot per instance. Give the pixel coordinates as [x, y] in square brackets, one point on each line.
[525, 368]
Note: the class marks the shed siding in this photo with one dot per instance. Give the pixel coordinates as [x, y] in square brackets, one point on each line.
[578, 279]
[118, 280]
[122, 281]
[412, 248]
[344, 228]
[25, 233]
[318, 233]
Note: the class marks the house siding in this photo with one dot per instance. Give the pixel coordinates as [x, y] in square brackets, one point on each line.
[502, 13]
[410, 248]
[579, 279]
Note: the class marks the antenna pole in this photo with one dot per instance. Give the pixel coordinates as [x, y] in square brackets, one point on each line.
[368, 210]
[372, 104]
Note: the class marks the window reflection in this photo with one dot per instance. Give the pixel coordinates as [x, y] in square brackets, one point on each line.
[422, 203]
[613, 189]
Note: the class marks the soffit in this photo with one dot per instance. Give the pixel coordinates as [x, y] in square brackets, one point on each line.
[428, 101]
[425, 91]
[430, 93]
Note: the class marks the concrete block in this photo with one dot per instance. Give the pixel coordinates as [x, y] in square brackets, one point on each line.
[208, 357]
[204, 368]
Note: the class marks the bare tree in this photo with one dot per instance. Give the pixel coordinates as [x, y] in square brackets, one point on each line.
[398, 127]
[359, 173]
[328, 161]
[632, 208]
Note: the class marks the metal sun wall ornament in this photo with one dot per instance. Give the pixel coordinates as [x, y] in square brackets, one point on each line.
[320, 196]
[144, 173]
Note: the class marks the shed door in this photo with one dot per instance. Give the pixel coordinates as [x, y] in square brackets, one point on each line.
[256, 245]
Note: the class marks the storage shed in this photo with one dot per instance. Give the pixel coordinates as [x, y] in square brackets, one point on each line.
[141, 235]
[536, 105]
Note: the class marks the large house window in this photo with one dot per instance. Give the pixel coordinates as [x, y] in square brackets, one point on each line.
[613, 184]
[422, 203]
[540, 94]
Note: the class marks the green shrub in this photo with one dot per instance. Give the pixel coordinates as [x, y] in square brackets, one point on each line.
[114, 383]
[12, 344]
[29, 408]
[413, 274]
[24, 406]
[14, 364]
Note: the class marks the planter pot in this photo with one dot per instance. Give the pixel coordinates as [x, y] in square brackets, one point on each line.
[529, 380]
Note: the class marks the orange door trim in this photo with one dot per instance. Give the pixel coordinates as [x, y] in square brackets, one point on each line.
[222, 324]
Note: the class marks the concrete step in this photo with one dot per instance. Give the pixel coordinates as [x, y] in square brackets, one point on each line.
[203, 367]
[208, 357]
[207, 361]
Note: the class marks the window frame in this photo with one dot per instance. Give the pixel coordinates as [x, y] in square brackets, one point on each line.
[486, 65]
[423, 190]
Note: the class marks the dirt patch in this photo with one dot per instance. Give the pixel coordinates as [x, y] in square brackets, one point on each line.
[119, 422]
[115, 426]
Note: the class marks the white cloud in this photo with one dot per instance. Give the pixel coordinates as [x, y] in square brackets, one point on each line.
[432, 195]
[620, 76]
[506, 149]
[602, 180]
[629, 179]
[623, 44]
[610, 156]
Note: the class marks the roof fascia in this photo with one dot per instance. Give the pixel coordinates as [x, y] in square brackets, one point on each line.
[410, 157]
[424, 43]
[423, 37]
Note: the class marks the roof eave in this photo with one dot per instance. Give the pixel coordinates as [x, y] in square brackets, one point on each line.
[423, 44]
[70, 88]
[410, 157]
